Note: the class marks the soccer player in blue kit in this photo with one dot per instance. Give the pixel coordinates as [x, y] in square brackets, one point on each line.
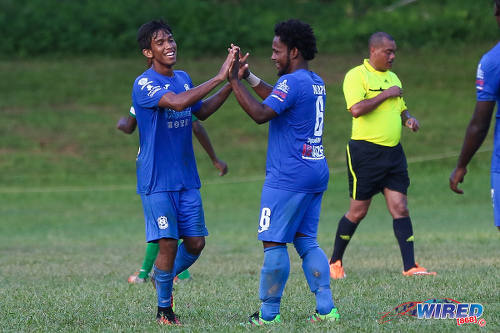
[296, 169]
[488, 94]
[167, 177]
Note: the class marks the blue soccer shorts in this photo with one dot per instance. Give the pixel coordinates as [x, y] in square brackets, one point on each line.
[284, 213]
[173, 214]
[495, 196]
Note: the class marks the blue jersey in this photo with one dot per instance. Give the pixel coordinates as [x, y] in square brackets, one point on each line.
[165, 161]
[488, 89]
[295, 157]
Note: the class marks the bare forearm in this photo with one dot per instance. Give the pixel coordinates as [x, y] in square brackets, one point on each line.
[476, 131]
[367, 105]
[179, 102]
[474, 138]
[250, 105]
[202, 136]
[214, 102]
[263, 89]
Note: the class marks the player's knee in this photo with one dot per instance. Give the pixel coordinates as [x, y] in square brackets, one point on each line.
[194, 245]
[356, 215]
[304, 245]
[400, 210]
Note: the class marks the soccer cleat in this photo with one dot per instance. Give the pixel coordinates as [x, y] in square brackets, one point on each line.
[135, 279]
[167, 317]
[257, 320]
[332, 316]
[337, 270]
[417, 270]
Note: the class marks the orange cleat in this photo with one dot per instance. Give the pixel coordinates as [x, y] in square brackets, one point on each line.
[417, 270]
[337, 270]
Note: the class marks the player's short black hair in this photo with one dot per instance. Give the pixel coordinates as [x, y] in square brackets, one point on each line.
[377, 38]
[295, 33]
[148, 30]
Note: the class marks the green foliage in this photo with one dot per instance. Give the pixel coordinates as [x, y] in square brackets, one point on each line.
[207, 27]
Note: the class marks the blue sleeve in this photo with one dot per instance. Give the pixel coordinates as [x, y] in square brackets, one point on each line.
[284, 94]
[488, 79]
[147, 92]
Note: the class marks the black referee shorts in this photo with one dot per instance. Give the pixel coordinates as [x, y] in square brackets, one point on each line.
[372, 167]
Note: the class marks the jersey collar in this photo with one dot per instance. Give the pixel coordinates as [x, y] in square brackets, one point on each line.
[369, 67]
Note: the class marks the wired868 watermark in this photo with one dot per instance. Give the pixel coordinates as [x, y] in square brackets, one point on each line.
[438, 308]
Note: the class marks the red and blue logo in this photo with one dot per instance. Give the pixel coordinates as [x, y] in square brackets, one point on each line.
[445, 308]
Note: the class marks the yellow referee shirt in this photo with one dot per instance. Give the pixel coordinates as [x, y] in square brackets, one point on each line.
[381, 126]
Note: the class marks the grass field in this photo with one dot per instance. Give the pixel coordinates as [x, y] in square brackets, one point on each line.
[71, 225]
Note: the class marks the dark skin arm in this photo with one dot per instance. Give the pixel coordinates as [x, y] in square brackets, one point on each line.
[474, 137]
[263, 89]
[368, 105]
[259, 112]
[127, 125]
[179, 102]
[202, 136]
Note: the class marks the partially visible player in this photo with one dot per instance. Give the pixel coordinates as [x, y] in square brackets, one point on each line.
[296, 170]
[488, 94]
[167, 177]
[375, 158]
[128, 125]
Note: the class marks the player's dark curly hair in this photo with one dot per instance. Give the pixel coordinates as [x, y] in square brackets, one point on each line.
[295, 33]
[148, 30]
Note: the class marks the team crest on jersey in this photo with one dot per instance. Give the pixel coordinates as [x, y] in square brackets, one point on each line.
[162, 222]
[186, 86]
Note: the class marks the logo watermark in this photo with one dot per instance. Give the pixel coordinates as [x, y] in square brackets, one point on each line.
[438, 308]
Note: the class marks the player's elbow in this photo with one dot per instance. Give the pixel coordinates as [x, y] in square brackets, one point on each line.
[355, 112]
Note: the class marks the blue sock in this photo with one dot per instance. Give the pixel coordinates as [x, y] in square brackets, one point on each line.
[273, 277]
[317, 272]
[163, 282]
[183, 259]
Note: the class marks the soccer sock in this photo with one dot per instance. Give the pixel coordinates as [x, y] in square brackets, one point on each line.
[163, 283]
[317, 272]
[404, 234]
[184, 274]
[183, 259]
[345, 230]
[273, 277]
[149, 259]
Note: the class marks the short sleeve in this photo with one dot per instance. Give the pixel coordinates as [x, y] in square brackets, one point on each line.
[284, 94]
[354, 90]
[147, 92]
[487, 79]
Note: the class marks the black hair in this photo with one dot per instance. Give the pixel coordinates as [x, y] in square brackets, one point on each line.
[377, 38]
[148, 31]
[295, 33]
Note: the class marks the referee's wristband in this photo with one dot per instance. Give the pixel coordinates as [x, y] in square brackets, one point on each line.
[252, 80]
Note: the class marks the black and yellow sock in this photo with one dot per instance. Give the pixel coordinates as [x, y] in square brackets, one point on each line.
[345, 230]
[404, 234]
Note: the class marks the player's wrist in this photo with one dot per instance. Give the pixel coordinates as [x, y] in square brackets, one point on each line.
[252, 80]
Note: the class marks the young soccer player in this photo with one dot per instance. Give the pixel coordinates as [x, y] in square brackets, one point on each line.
[488, 94]
[128, 125]
[296, 170]
[167, 178]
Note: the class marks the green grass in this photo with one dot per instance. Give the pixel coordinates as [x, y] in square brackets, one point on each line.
[71, 226]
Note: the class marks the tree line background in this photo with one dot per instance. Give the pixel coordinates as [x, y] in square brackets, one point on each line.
[106, 27]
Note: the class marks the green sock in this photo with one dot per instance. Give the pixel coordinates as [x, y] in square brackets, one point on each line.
[149, 259]
[183, 275]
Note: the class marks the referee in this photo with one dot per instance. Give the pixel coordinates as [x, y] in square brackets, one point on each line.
[375, 158]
